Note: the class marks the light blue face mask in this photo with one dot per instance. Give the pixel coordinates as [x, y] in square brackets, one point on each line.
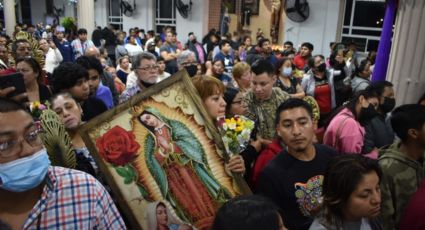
[25, 173]
[286, 71]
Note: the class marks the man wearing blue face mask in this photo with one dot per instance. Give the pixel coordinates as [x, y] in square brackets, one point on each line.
[34, 194]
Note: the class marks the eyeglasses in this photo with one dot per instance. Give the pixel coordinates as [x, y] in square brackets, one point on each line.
[13, 147]
[240, 102]
[146, 68]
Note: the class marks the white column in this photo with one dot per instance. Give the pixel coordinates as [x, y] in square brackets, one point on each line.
[406, 69]
[85, 14]
[9, 16]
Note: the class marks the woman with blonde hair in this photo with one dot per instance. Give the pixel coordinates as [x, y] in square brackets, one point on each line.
[242, 75]
[123, 68]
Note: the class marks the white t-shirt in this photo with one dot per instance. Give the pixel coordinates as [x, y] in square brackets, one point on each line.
[133, 50]
[53, 59]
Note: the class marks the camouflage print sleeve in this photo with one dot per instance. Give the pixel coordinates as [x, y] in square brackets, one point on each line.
[251, 107]
[387, 199]
[281, 96]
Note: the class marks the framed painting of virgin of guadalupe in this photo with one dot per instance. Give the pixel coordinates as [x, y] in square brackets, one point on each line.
[162, 156]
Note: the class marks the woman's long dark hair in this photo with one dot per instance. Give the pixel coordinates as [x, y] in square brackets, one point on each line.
[229, 97]
[280, 64]
[360, 68]
[332, 61]
[351, 104]
[341, 178]
[35, 66]
[150, 128]
[248, 213]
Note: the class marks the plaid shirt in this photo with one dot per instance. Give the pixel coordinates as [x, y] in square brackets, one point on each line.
[79, 48]
[73, 200]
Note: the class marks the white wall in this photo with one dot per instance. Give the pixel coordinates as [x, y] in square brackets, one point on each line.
[101, 13]
[38, 9]
[70, 10]
[319, 29]
[193, 23]
[143, 17]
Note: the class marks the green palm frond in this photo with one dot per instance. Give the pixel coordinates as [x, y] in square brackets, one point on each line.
[56, 140]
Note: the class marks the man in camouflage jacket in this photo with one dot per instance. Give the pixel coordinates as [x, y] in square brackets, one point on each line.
[402, 163]
[263, 99]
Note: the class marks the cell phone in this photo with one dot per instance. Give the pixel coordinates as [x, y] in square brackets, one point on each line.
[13, 80]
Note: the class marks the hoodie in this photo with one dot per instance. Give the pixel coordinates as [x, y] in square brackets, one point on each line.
[401, 177]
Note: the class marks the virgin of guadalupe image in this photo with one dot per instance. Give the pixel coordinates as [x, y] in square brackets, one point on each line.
[177, 162]
[159, 217]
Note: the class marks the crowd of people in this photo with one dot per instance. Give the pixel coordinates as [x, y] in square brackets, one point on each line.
[330, 149]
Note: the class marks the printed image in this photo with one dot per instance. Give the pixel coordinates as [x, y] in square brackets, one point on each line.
[163, 160]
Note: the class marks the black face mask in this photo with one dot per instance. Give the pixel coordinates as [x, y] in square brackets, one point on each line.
[321, 68]
[388, 105]
[191, 70]
[367, 113]
[340, 65]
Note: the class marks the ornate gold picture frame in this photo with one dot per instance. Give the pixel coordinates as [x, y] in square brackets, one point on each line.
[162, 156]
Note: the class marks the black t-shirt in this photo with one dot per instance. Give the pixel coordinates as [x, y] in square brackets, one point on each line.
[295, 186]
[292, 89]
[92, 107]
[44, 93]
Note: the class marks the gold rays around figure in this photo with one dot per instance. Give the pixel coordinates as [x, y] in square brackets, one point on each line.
[215, 162]
[37, 54]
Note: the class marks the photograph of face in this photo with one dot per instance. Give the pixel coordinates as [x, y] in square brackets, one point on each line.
[160, 217]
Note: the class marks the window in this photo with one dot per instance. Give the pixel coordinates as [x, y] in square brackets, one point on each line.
[115, 14]
[165, 14]
[26, 12]
[363, 20]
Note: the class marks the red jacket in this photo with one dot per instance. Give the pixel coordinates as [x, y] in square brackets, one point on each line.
[264, 158]
[414, 214]
[300, 62]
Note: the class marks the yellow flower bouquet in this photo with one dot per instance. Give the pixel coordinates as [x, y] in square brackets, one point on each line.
[235, 132]
[36, 108]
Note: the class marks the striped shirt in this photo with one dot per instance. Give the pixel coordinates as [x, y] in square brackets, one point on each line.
[79, 47]
[129, 92]
[73, 200]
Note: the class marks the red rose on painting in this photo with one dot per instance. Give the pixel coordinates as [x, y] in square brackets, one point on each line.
[117, 146]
